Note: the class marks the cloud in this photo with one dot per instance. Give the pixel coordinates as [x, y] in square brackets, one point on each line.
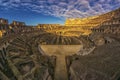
[64, 8]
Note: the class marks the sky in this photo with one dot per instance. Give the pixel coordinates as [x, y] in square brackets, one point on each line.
[34, 12]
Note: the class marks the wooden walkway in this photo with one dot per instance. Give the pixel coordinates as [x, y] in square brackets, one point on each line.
[60, 70]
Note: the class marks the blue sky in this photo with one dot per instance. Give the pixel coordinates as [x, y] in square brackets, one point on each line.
[53, 11]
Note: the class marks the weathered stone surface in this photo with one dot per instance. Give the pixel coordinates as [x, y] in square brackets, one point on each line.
[21, 57]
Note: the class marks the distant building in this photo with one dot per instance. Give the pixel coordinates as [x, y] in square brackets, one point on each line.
[17, 23]
[3, 21]
[48, 26]
[3, 24]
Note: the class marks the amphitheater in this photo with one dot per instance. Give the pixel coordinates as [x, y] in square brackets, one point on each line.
[82, 49]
